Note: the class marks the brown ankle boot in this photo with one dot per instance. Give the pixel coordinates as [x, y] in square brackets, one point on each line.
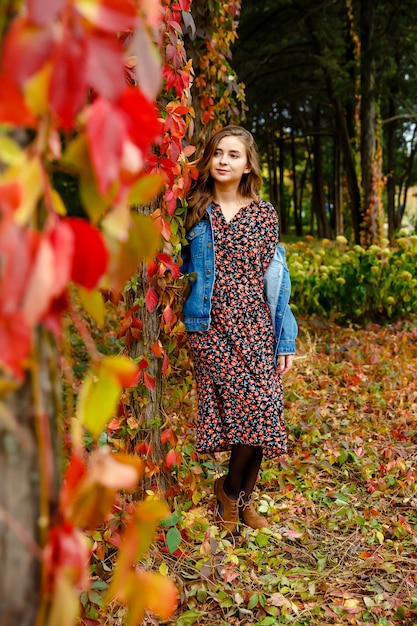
[251, 517]
[227, 514]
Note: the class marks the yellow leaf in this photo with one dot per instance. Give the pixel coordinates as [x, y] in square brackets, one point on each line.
[97, 401]
[36, 90]
[93, 202]
[92, 301]
[121, 367]
[29, 174]
[380, 536]
[146, 188]
[76, 155]
[11, 153]
[117, 222]
[58, 203]
[65, 607]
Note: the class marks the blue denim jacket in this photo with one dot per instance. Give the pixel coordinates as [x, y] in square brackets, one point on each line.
[198, 260]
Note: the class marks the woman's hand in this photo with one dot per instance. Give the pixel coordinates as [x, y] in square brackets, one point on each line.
[285, 362]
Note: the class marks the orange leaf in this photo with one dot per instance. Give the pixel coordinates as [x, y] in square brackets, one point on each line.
[157, 349]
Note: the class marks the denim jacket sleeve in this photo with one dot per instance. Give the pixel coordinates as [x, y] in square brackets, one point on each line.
[277, 286]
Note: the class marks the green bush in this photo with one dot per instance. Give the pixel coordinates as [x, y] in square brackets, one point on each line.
[351, 284]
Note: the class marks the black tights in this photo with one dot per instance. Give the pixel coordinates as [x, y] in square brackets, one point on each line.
[244, 465]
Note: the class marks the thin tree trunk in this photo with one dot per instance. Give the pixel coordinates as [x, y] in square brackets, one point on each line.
[30, 446]
[282, 203]
[338, 190]
[147, 408]
[391, 143]
[372, 201]
[323, 229]
[294, 178]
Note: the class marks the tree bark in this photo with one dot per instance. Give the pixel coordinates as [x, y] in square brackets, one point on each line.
[370, 167]
[147, 408]
[323, 229]
[281, 165]
[27, 499]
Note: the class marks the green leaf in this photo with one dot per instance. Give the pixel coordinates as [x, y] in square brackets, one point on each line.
[189, 618]
[262, 540]
[97, 401]
[173, 539]
[171, 520]
[253, 601]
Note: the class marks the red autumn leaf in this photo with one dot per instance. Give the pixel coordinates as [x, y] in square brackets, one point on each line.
[109, 15]
[105, 66]
[13, 109]
[168, 314]
[170, 458]
[165, 365]
[143, 364]
[168, 435]
[74, 474]
[143, 448]
[105, 142]
[152, 268]
[15, 342]
[151, 299]
[18, 248]
[90, 254]
[173, 458]
[140, 116]
[11, 194]
[67, 88]
[149, 381]
[170, 264]
[26, 48]
[44, 11]
[66, 551]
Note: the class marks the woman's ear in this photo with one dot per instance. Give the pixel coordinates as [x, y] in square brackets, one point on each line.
[247, 169]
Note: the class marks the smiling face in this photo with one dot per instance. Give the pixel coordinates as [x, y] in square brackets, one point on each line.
[229, 162]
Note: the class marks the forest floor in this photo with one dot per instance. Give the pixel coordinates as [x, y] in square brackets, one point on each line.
[342, 545]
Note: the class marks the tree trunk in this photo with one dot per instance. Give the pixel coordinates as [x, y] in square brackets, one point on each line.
[338, 190]
[147, 408]
[391, 145]
[372, 228]
[275, 195]
[282, 203]
[294, 177]
[318, 207]
[30, 462]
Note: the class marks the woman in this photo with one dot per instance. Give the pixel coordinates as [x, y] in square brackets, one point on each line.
[240, 326]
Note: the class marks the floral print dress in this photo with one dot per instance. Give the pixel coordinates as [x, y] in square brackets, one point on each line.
[240, 398]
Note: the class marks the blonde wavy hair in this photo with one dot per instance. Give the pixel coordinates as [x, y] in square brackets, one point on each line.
[201, 192]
